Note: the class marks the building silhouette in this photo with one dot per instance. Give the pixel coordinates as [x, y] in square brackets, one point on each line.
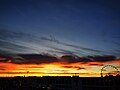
[60, 83]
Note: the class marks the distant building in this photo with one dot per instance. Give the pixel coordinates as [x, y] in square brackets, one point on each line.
[60, 83]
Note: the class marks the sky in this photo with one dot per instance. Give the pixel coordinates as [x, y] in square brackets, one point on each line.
[75, 36]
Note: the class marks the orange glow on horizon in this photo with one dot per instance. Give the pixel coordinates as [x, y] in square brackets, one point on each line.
[87, 69]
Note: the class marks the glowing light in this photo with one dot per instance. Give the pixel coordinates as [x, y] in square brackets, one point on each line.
[54, 69]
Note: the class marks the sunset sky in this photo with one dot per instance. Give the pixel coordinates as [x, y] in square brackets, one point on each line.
[59, 37]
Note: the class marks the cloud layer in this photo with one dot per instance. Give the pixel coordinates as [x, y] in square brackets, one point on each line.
[18, 42]
[43, 58]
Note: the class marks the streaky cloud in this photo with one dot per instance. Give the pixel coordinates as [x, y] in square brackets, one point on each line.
[73, 46]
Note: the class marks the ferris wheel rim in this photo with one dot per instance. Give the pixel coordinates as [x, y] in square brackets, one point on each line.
[109, 66]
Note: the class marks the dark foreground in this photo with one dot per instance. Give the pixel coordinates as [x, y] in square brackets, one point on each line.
[60, 83]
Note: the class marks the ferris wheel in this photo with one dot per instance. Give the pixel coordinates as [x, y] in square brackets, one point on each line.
[108, 70]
